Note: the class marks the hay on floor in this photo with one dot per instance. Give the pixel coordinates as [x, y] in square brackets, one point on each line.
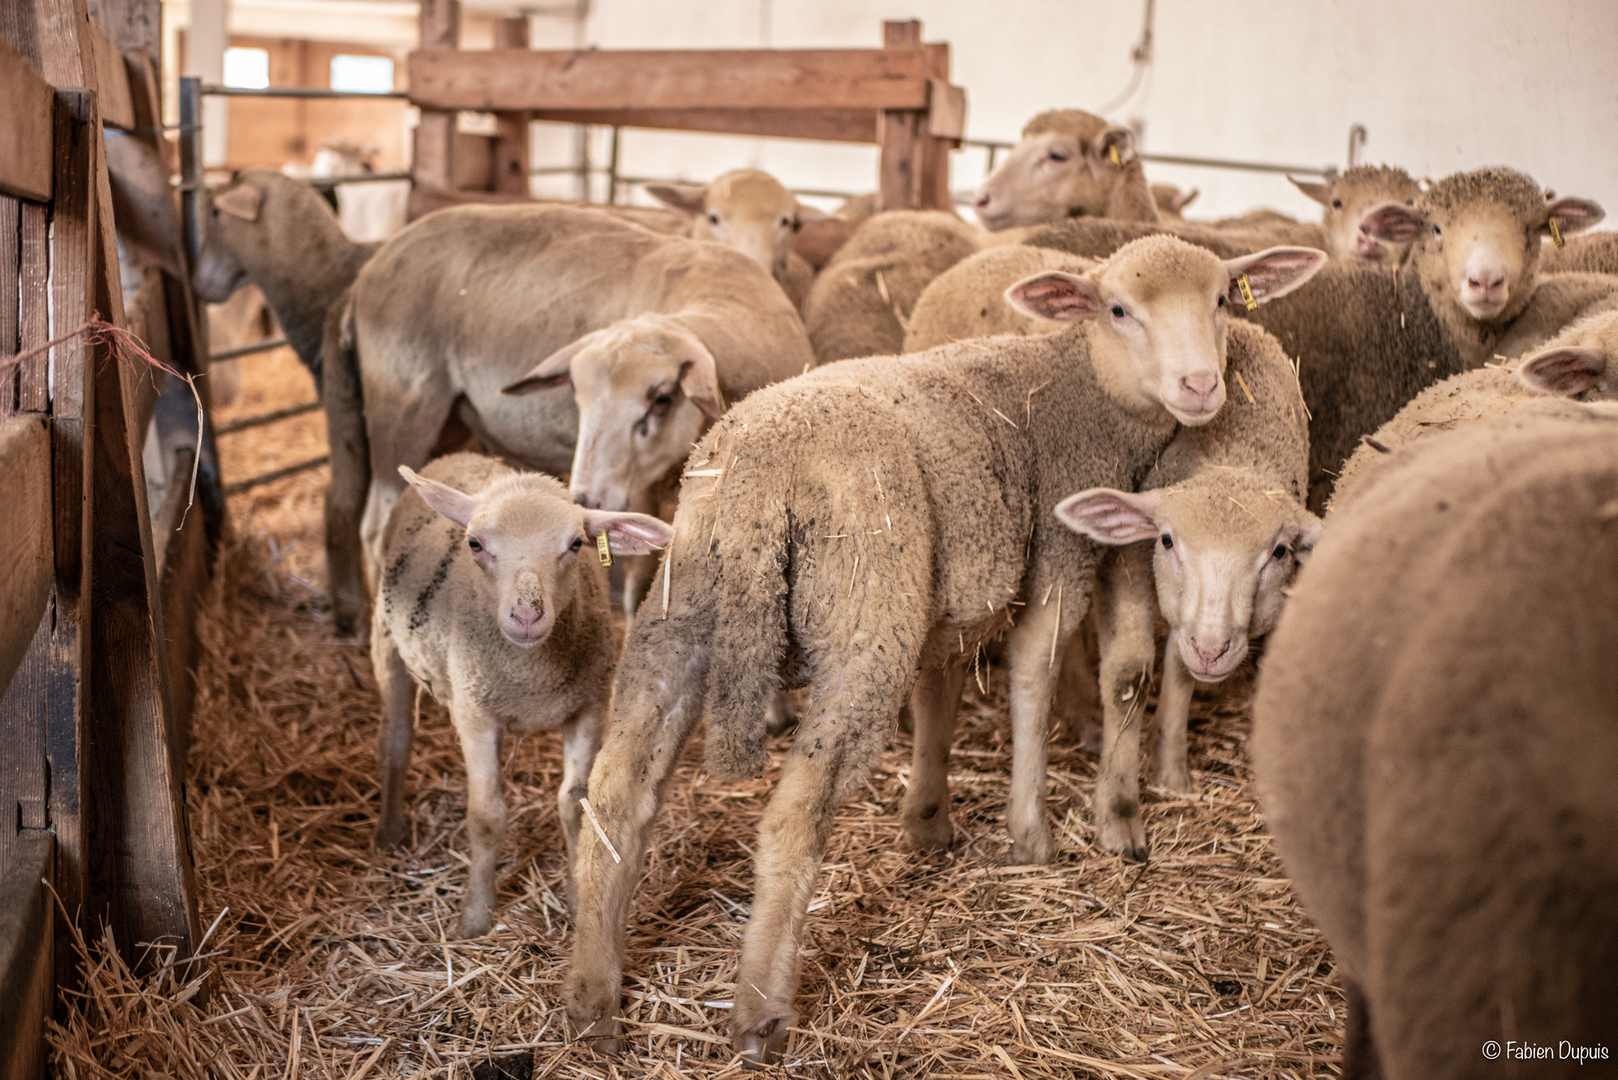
[330, 960]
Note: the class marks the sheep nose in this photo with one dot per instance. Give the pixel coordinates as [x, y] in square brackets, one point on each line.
[1202, 384]
[1210, 656]
[583, 499]
[982, 200]
[1486, 282]
[525, 616]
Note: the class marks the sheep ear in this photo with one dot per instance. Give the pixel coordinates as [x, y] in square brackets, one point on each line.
[1102, 147]
[242, 201]
[455, 505]
[1273, 272]
[686, 198]
[1393, 222]
[1184, 199]
[1304, 546]
[1056, 296]
[628, 534]
[555, 370]
[1566, 371]
[1109, 516]
[699, 376]
[1317, 191]
[1572, 216]
[811, 213]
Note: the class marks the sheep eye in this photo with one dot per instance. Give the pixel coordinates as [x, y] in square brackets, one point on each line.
[1057, 155]
[1168, 541]
[1437, 231]
[713, 216]
[1280, 552]
[472, 542]
[578, 542]
[1118, 311]
[663, 400]
[1337, 204]
[1221, 301]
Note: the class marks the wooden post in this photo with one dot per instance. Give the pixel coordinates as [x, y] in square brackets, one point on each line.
[435, 135]
[511, 157]
[899, 133]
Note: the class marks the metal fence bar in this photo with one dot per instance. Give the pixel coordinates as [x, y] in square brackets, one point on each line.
[261, 419]
[215, 90]
[247, 350]
[322, 183]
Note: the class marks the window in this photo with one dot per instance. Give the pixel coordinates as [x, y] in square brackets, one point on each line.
[247, 69]
[362, 74]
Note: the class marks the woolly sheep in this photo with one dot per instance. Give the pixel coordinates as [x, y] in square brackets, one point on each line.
[1434, 746]
[860, 303]
[474, 299]
[1068, 163]
[1576, 364]
[753, 212]
[1220, 526]
[1595, 253]
[500, 612]
[1345, 201]
[968, 300]
[867, 526]
[1368, 341]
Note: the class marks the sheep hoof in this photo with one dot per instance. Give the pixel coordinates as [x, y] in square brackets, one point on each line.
[476, 920]
[390, 834]
[1126, 837]
[591, 1014]
[1176, 780]
[928, 832]
[1036, 848]
[763, 1043]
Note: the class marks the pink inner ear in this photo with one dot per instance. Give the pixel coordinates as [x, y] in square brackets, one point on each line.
[1058, 297]
[1395, 224]
[1567, 372]
[1106, 518]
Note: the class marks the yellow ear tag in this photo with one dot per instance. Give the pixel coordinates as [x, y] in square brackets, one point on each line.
[1556, 233]
[1112, 152]
[603, 550]
[1247, 293]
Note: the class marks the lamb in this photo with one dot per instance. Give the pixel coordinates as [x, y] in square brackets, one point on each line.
[1347, 198]
[628, 340]
[969, 299]
[751, 211]
[500, 612]
[281, 235]
[1368, 341]
[1069, 163]
[860, 303]
[1578, 364]
[1434, 746]
[1222, 511]
[867, 527]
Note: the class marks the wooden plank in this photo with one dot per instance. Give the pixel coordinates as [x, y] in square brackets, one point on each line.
[25, 542]
[511, 156]
[65, 56]
[946, 110]
[899, 130]
[25, 137]
[183, 573]
[433, 156]
[33, 312]
[133, 25]
[111, 78]
[829, 125]
[669, 79]
[27, 925]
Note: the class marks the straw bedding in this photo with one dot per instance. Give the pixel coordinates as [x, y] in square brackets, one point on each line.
[330, 960]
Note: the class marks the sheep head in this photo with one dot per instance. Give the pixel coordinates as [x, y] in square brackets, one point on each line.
[1157, 310]
[1224, 551]
[528, 540]
[1347, 199]
[746, 209]
[1066, 165]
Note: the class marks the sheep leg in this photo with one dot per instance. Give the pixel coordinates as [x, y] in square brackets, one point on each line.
[1078, 693]
[402, 428]
[1123, 609]
[792, 839]
[1360, 1060]
[1045, 629]
[1173, 715]
[398, 728]
[485, 818]
[350, 468]
[656, 707]
[934, 703]
[581, 739]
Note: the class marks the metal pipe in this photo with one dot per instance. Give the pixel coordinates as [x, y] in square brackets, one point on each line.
[324, 183]
[248, 350]
[191, 164]
[612, 167]
[215, 90]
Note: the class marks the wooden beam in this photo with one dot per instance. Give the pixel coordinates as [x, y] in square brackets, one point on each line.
[111, 78]
[25, 137]
[831, 125]
[133, 25]
[511, 155]
[27, 983]
[899, 131]
[433, 156]
[670, 79]
[25, 542]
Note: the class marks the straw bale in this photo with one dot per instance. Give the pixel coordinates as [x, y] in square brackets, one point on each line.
[331, 960]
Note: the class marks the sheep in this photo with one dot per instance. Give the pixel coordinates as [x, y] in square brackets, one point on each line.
[859, 304]
[629, 342]
[1368, 341]
[281, 235]
[1434, 748]
[751, 211]
[1591, 253]
[1574, 364]
[500, 612]
[968, 300]
[868, 526]
[1171, 201]
[1222, 511]
[1068, 163]
[1347, 198]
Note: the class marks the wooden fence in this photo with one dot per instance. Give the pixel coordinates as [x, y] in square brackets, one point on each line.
[98, 603]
